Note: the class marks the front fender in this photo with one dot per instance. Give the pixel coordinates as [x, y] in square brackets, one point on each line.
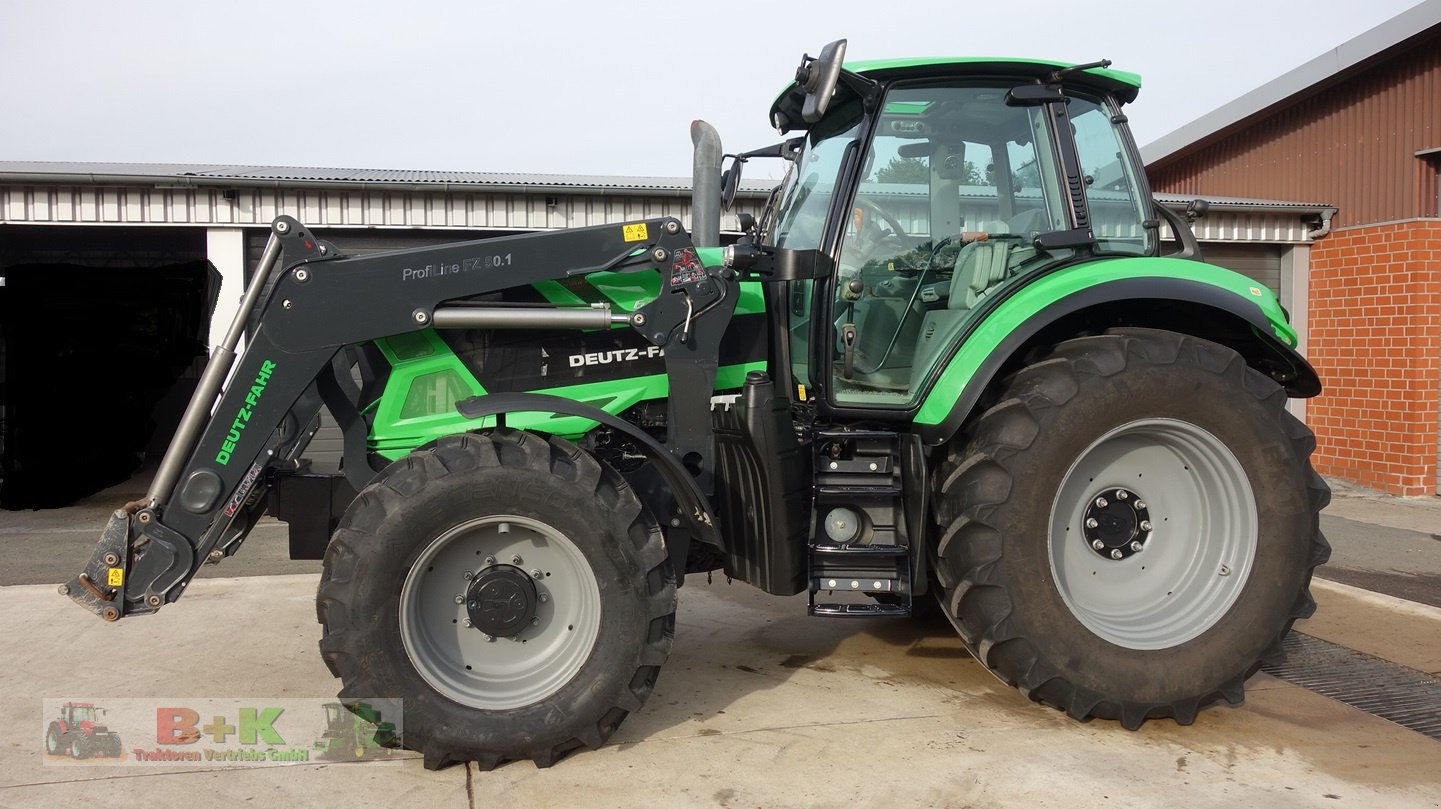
[1129, 291]
[694, 505]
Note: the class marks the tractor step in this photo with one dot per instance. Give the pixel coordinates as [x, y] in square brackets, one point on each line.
[860, 610]
[861, 549]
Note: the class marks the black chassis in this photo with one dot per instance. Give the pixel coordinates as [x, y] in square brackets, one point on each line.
[323, 301]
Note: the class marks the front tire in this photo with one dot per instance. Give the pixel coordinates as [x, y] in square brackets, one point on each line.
[1131, 530]
[510, 590]
[53, 739]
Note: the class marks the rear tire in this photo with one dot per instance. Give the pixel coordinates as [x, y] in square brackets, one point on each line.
[575, 649]
[1047, 572]
[53, 740]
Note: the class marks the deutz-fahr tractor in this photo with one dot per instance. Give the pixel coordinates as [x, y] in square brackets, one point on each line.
[78, 733]
[949, 366]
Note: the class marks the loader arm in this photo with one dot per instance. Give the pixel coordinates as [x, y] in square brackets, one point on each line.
[208, 490]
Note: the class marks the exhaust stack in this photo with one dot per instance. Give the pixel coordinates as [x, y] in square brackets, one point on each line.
[705, 189]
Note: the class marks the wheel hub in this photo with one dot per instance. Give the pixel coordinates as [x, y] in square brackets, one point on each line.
[501, 601]
[1116, 523]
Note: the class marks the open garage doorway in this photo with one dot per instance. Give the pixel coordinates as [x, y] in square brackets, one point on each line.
[102, 335]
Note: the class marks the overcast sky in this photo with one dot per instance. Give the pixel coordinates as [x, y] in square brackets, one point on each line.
[562, 86]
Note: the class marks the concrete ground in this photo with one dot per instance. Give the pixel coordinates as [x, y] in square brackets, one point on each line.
[758, 706]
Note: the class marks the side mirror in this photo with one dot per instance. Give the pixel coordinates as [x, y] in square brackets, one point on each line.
[731, 182]
[818, 77]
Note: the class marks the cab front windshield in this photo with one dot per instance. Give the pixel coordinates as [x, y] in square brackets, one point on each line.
[955, 186]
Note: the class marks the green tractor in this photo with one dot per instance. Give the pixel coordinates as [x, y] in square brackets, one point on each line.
[354, 732]
[949, 366]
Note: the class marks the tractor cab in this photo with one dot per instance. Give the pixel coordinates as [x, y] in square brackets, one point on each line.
[74, 714]
[934, 188]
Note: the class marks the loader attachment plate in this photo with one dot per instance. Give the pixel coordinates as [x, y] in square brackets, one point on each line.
[100, 587]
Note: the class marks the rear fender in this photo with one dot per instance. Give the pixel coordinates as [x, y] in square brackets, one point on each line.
[1200, 300]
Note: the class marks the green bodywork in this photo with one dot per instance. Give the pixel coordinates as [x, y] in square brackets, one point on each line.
[427, 379]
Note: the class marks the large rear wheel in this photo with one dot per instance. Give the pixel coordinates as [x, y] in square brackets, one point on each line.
[510, 590]
[1131, 530]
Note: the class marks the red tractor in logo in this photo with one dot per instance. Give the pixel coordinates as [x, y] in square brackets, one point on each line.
[79, 733]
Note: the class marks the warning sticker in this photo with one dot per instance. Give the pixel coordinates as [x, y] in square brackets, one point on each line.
[635, 233]
[115, 577]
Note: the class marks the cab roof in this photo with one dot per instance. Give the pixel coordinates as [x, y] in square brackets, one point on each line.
[1124, 85]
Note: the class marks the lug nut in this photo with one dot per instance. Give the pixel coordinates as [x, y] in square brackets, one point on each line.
[1116, 554]
[536, 574]
[1145, 525]
[490, 639]
[468, 575]
[1102, 502]
[1136, 546]
[1121, 494]
[542, 597]
[1098, 545]
[466, 623]
[460, 599]
[534, 621]
[1140, 505]
[1092, 522]
[489, 560]
[516, 560]
[1225, 570]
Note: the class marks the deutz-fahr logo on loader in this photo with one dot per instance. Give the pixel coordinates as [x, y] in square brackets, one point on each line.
[242, 416]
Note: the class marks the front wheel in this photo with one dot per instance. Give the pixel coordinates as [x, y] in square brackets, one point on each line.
[1131, 530]
[53, 740]
[510, 590]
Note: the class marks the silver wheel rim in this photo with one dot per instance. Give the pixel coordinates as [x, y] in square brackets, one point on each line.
[460, 661]
[1194, 562]
[75, 749]
[52, 742]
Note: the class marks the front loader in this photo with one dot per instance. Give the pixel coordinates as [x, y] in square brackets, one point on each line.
[949, 365]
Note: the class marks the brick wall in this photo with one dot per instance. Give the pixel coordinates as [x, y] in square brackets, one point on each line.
[1375, 339]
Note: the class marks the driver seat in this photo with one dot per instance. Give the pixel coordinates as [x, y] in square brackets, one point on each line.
[979, 267]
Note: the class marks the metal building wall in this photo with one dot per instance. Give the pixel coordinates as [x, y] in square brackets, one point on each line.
[1351, 144]
[337, 207]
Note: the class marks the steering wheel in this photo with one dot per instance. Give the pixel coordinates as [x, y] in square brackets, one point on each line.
[870, 205]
